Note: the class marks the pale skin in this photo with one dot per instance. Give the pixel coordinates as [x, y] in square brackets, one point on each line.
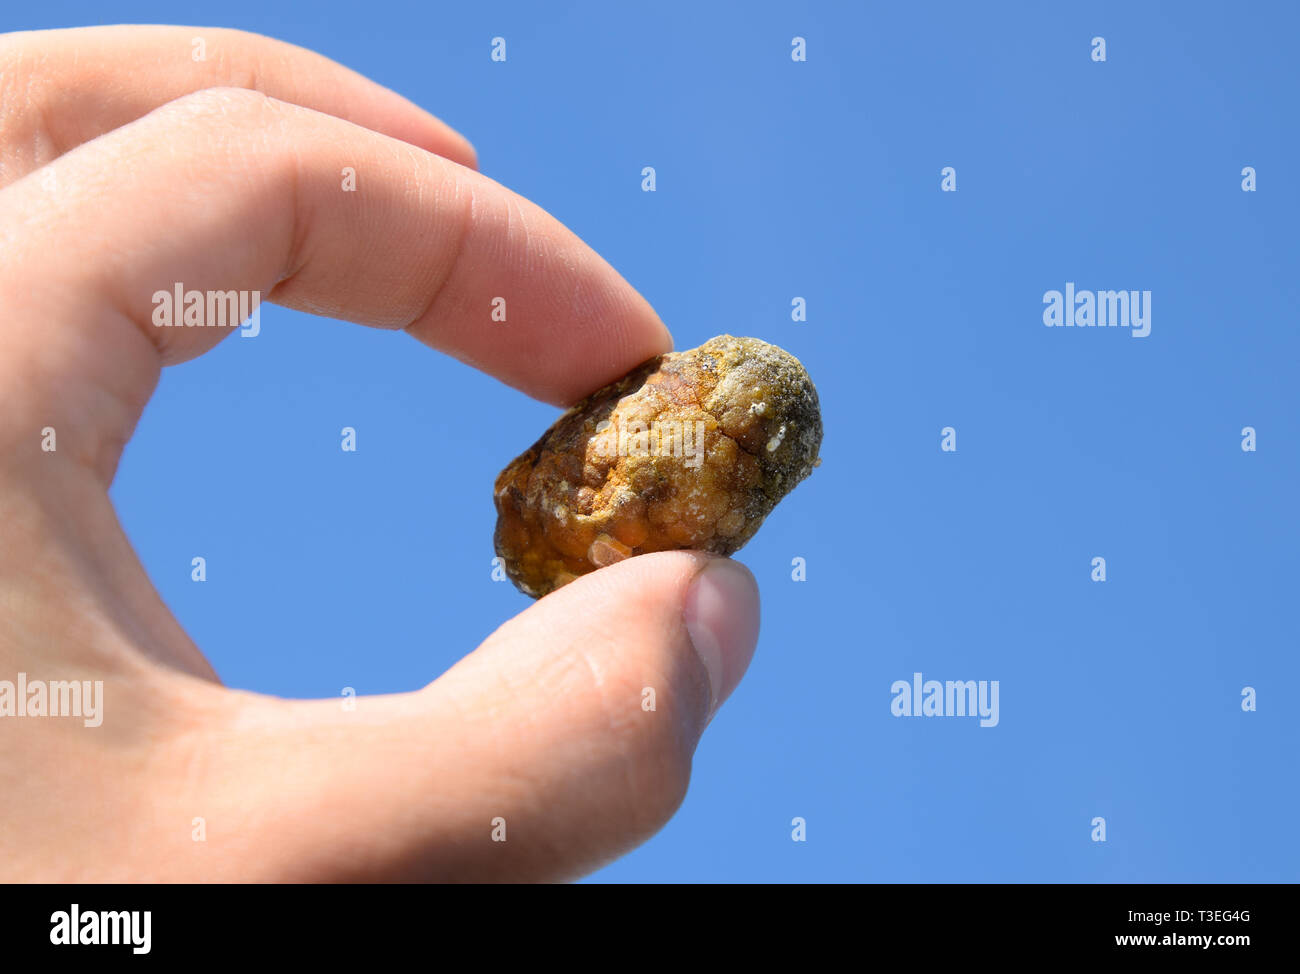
[127, 166]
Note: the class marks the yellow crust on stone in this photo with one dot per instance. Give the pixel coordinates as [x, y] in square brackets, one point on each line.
[689, 450]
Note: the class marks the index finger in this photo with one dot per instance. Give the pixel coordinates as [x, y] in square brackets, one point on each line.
[227, 189]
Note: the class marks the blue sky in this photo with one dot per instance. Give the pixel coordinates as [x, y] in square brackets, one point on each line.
[776, 179]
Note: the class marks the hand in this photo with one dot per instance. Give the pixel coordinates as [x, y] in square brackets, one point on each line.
[127, 167]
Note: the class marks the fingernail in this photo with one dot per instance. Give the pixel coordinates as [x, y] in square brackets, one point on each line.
[721, 615]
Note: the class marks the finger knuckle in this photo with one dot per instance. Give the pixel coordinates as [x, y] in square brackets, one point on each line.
[221, 101]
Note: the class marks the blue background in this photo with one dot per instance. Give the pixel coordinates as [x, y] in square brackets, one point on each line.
[822, 180]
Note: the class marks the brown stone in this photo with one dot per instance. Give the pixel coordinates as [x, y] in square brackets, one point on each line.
[689, 450]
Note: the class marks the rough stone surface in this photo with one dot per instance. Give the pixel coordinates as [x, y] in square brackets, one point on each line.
[689, 450]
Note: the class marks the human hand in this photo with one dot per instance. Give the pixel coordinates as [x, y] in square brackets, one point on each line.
[127, 167]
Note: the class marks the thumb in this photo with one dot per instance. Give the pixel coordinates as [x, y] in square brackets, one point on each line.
[562, 742]
[588, 707]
